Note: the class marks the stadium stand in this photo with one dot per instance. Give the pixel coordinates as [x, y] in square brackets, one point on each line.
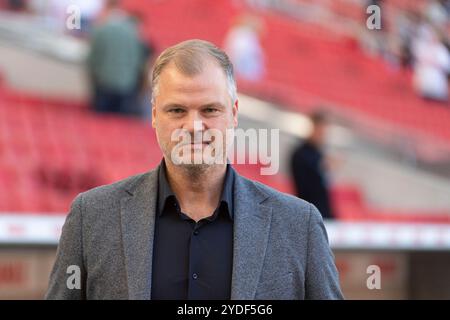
[47, 145]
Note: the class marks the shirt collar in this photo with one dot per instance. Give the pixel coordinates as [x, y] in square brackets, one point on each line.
[165, 191]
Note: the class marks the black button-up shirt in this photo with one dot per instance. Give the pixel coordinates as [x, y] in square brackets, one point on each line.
[192, 260]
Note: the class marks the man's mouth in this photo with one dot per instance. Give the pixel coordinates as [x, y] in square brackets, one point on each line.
[199, 144]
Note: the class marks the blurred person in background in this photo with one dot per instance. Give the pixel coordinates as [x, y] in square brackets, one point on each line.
[115, 62]
[437, 13]
[431, 64]
[243, 45]
[309, 170]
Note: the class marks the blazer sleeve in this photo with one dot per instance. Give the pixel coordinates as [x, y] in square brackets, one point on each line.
[69, 264]
[322, 279]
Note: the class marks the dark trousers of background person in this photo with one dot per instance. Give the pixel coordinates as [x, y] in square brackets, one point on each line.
[111, 101]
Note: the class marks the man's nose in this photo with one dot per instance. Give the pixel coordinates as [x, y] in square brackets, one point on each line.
[194, 122]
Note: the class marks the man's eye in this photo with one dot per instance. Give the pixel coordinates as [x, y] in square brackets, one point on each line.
[176, 110]
[210, 110]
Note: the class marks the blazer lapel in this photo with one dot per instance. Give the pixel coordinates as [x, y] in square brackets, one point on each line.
[138, 222]
[251, 232]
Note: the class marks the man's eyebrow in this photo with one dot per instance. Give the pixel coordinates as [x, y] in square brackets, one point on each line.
[173, 105]
[213, 105]
[208, 105]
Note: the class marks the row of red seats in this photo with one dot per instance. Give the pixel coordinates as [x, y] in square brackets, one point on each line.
[80, 150]
[49, 153]
[52, 149]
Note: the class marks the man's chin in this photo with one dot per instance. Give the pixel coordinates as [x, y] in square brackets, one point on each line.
[194, 169]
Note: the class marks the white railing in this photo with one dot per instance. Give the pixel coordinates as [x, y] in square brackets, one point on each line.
[34, 229]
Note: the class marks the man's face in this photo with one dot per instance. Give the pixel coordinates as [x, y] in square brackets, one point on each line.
[193, 105]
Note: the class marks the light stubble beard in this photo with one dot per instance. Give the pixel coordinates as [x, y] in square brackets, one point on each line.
[194, 171]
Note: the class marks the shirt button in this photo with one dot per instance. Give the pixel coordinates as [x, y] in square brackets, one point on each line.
[194, 276]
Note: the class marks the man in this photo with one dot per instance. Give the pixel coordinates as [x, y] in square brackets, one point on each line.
[193, 230]
[308, 168]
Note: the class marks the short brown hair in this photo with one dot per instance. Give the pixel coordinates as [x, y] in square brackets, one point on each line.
[189, 58]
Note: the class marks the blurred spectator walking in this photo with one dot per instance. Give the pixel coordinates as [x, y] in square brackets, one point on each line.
[431, 64]
[242, 44]
[308, 167]
[115, 62]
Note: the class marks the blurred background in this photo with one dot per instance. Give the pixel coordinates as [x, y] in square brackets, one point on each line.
[362, 108]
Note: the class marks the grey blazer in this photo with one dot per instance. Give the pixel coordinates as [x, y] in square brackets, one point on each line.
[281, 247]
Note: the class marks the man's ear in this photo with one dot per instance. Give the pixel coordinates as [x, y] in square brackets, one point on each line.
[153, 116]
[235, 112]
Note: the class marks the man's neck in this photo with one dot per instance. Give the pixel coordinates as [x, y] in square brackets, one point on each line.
[197, 194]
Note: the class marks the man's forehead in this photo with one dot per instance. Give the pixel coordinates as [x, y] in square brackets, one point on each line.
[210, 72]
